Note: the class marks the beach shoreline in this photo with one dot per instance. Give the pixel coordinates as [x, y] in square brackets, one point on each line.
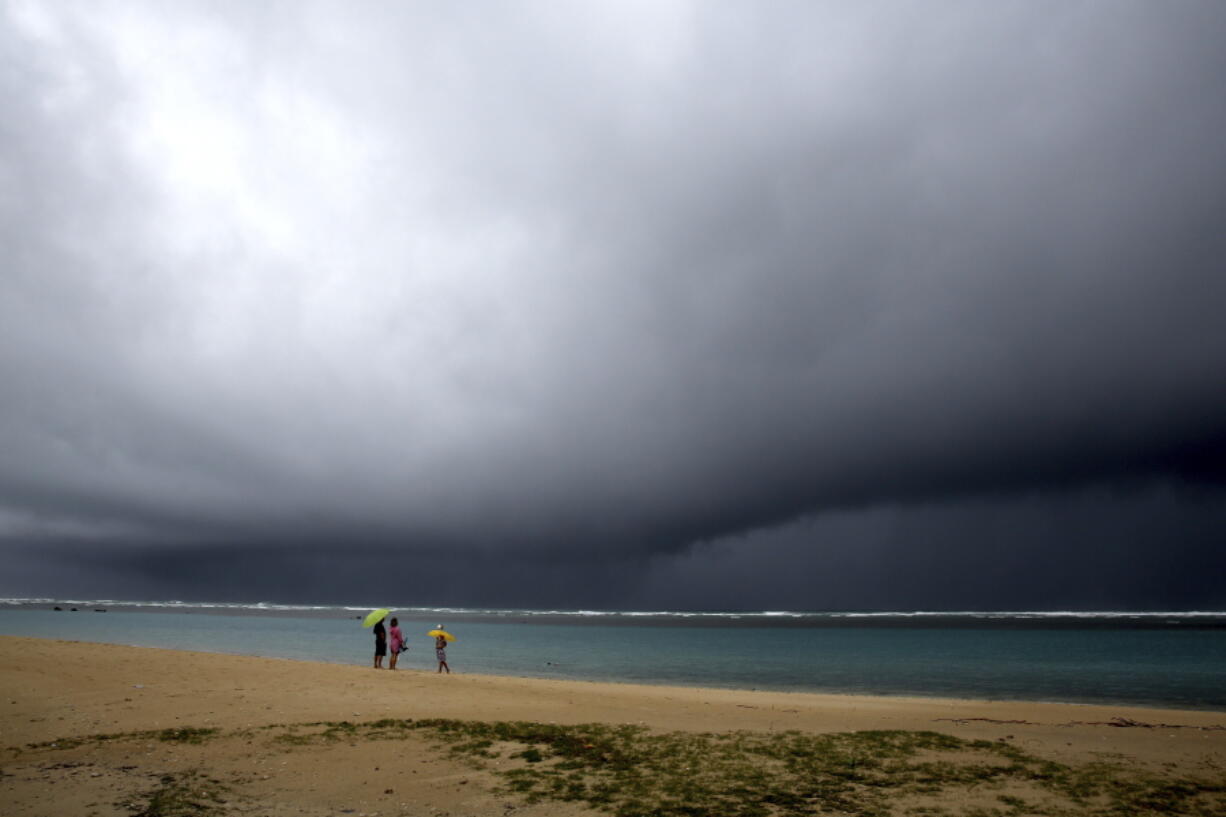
[1125, 666]
[86, 670]
[55, 690]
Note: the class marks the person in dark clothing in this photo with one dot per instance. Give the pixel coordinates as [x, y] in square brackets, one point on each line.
[380, 644]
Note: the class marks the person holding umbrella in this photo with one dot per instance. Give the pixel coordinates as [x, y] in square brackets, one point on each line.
[380, 643]
[376, 618]
[441, 637]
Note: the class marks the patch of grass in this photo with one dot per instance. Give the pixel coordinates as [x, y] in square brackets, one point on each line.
[479, 747]
[186, 734]
[294, 739]
[1143, 793]
[186, 796]
[390, 724]
[629, 771]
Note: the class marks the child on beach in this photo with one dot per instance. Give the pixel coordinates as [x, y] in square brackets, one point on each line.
[396, 643]
[440, 652]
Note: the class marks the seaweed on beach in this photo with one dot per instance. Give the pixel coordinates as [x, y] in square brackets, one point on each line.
[631, 771]
[189, 795]
[185, 734]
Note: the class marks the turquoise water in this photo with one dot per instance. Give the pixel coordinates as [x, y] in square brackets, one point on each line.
[1157, 662]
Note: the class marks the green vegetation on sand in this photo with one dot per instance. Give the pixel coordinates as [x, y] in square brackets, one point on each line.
[629, 771]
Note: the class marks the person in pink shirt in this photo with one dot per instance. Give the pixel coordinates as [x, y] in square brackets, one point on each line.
[396, 642]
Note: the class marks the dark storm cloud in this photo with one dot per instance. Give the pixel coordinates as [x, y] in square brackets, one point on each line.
[1088, 549]
[478, 280]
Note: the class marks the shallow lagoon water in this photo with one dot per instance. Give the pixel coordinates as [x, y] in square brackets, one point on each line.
[1172, 659]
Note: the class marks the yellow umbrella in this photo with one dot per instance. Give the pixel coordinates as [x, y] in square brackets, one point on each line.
[375, 615]
[443, 633]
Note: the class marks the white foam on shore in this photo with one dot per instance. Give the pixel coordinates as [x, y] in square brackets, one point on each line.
[640, 614]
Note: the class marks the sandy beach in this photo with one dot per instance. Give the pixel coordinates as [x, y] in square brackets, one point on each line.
[258, 720]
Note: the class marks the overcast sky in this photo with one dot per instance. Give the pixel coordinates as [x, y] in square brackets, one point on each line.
[771, 305]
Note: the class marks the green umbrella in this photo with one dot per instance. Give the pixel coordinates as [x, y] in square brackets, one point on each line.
[375, 615]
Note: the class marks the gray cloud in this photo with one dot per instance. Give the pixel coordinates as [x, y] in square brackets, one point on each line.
[598, 284]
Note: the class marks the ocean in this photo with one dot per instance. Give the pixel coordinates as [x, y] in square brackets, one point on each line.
[1164, 659]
